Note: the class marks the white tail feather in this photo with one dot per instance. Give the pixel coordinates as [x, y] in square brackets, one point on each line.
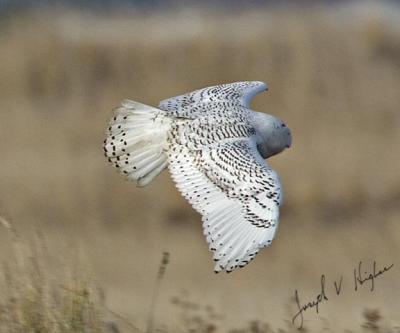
[136, 141]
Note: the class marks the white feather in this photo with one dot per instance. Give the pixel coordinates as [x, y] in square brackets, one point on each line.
[136, 141]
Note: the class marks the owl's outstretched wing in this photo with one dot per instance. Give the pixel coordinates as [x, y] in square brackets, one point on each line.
[236, 192]
[229, 97]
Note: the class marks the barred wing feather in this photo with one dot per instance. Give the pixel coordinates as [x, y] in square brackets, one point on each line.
[236, 192]
[190, 105]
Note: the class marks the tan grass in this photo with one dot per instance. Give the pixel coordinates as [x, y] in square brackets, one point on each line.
[33, 302]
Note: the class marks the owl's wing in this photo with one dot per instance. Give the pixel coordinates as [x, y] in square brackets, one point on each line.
[231, 95]
[236, 192]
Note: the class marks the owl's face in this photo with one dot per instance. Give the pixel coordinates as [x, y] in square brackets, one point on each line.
[273, 136]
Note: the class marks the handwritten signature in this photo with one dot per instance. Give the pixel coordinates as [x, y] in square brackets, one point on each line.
[361, 276]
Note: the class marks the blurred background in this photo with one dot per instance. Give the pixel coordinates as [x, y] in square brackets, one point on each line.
[333, 68]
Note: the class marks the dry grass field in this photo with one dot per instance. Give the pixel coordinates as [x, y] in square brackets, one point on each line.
[83, 248]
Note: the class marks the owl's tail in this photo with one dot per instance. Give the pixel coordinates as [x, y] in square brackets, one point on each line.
[136, 141]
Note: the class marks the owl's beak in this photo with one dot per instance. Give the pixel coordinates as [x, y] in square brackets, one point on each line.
[290, 139]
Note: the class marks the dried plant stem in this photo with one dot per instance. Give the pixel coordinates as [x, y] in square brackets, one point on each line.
[156, 291]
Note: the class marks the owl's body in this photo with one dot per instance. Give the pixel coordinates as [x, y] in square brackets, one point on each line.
[214, 147]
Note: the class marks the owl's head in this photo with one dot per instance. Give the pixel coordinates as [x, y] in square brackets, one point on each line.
[273, 136]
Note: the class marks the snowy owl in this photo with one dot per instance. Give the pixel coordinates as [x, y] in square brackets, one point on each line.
[215, 149]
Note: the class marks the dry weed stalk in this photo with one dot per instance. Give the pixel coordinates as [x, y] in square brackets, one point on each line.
[156, 291]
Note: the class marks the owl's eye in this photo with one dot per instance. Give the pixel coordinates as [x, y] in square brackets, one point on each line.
[283, 125]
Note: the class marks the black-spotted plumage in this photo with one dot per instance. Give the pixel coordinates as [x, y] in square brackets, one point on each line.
[214, 146]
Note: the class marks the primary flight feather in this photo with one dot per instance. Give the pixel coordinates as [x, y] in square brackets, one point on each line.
[215, 148]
